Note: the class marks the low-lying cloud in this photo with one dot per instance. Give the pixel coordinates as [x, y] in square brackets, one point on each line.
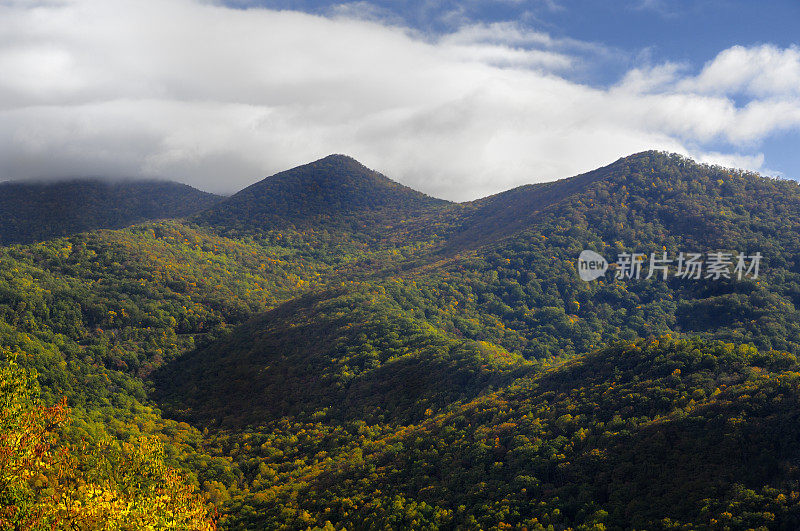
[219, 97]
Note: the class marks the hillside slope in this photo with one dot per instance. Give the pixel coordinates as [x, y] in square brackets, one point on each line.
[348, 354]
[684, 196]
[656, 434]
[335, 192]
[652, 203]
[39, 211]
[491, 219]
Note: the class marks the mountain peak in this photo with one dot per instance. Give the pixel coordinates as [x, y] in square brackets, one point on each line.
[331, 188]
[330, 169]
[338, 158]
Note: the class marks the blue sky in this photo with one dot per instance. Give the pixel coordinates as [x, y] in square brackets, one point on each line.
[639, 30]
[458, 99]
[670, 29]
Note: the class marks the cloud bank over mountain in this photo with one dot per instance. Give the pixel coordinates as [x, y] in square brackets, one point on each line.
[218, 97]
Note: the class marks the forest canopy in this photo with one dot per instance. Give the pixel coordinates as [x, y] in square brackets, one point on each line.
[329, 349]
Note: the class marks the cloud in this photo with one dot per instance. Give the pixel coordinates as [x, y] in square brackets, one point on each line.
[732, 160]
[220, 97]
[660, 7]
[362, 10]
[760, 71]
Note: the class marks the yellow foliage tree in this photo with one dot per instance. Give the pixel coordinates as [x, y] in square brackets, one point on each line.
[47, 482]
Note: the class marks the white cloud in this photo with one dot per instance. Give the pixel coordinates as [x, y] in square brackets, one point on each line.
[760, 71]
[732, 160]
[362, 10]
[220, 97]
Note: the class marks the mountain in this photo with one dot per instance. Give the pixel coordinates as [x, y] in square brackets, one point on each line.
[334, 192]
[394, 361]
[39, 211]
[685, 197]
[651, 203]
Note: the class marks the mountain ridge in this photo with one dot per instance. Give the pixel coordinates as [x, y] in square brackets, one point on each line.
[501, 215]
[335, 191]
[39, 210]
[344, 380]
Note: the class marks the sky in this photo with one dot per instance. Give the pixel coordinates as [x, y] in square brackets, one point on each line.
[456, 99]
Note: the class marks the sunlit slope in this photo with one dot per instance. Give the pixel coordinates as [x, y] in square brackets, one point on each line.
[649, 203]
[347, 354]
[645, 435]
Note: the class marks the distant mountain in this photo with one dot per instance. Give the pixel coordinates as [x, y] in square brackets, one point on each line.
[39, 211]
[336, 191]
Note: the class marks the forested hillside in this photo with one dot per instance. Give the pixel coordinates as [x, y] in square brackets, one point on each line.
[655, 434]
[330, 349]
[355, 347]
[334, 193]
[36, 211]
